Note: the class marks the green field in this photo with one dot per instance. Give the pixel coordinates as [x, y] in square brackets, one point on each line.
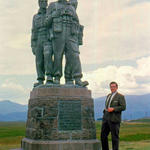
[11, 134]
[133, 135]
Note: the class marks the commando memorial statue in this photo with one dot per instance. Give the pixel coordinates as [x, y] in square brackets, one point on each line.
[56, 31]
[60, 116]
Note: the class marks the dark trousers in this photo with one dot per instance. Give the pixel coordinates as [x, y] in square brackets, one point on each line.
[107, 127]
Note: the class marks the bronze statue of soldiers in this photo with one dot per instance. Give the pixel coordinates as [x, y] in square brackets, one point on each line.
[62, 18]
[42, 46]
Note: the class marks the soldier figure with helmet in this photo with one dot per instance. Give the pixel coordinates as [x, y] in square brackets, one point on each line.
[63, 19]
[41, 46]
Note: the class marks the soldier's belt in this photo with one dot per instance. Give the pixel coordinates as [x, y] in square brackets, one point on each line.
[42, 35]
[69, 19]
[70, 22]
[65, 21]
[42, 30]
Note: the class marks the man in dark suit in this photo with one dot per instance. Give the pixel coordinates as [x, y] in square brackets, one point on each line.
[114, 105]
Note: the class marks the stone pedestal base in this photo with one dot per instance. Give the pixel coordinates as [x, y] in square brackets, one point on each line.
[17, 149]
[60, 118]
[60, 114]
[28, 144]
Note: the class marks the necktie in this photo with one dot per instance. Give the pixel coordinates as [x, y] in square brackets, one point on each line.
[108, 102]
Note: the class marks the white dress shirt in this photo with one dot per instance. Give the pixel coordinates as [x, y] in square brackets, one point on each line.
[112, 95]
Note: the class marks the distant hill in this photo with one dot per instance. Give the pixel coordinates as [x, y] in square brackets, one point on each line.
[16, 116]
[146, 120]
[138, 106]
[10, 111]
[10, 107]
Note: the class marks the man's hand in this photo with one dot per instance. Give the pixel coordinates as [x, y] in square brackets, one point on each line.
[110, 109]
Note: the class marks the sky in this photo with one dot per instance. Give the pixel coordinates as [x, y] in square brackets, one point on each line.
[116, 47]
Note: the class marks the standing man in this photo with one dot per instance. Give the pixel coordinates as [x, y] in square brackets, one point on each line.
[63, 19]
[115, 104]
[41, 46]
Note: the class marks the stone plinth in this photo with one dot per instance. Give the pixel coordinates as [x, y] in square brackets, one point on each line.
[17, 149]
[61, 145]
[60, 118]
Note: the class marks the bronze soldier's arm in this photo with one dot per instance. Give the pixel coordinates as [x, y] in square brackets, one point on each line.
[34, 36]
[50, 14]
[80, 34]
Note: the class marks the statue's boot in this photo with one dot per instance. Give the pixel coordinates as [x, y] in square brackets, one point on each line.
[56, 80]
[40, 82]
[69, 82]
[49, 80]
[81, 83]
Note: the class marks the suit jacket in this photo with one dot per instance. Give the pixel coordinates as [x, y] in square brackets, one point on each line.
[119, 104]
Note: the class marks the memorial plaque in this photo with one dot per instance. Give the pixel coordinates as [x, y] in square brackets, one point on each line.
[69, 115]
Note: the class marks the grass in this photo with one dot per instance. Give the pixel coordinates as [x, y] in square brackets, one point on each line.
[142, 120]
[131, 131]
[11, 134]
[133, 135]
[8, 147]
[140, 145]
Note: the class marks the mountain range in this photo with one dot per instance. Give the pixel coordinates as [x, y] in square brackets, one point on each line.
[138, 106]
[10, 111]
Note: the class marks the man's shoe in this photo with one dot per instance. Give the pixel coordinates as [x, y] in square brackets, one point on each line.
[82, 83]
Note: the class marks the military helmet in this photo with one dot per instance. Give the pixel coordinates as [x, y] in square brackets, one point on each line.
[43, 3]
[62, 0]
[74, 3]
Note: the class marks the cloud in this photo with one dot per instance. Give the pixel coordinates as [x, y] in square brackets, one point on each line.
[16, 20]
[135, 2]
[116, 33]
[131, 80]
[12, 85]
[113, 32]
[123, 34]
[14, 91]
